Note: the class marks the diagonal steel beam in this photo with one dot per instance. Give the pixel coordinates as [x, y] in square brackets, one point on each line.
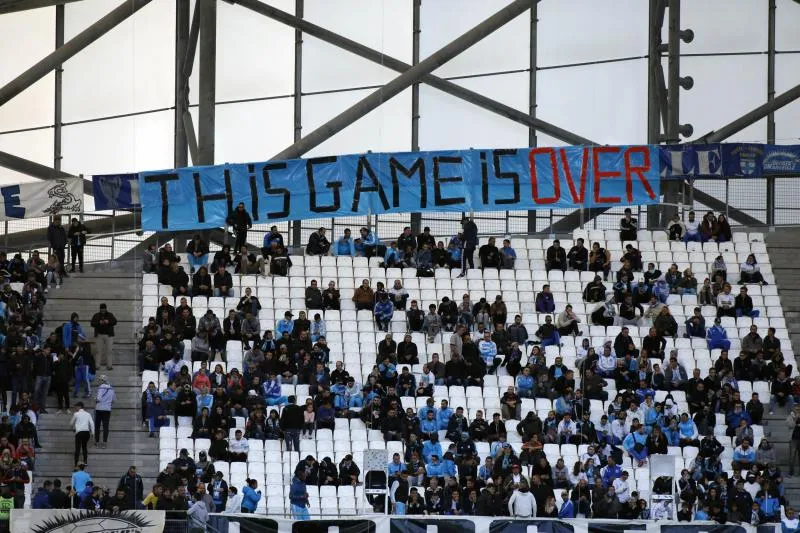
[36, 170]
[751, 118]
[72, 47]
[14, 6]
[400, 66]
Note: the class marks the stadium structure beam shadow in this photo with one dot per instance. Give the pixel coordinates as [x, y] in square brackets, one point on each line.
[70, 48]
[15, 6]
[36, 170]
[572, 220]
[400, 66]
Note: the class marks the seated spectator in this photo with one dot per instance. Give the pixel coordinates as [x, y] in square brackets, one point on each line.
[744, 456]
[743, 304]
[695, 327]
[488, 351]
[750, 272]
[726, 303]
[781, 394]
[432, 323]
[555, 257]
[415, 317]
[273, 236]
[634, 257]
[489, 255]
[384, 310]
[688, 283]
[197, 253]
[177, 278]
[318, 243]
[578, 256]
[249, 303]
[692, 229]
[331, 297]
[149, 260]
[280, 262]
[722, 229]
[250, 330]
[364, 296]
[449, 313]
[407, 239]
[627, 312]
[498, 310]
[368, 243]
[628, 227]
[752, 342]
[635, 444]
[440, 256]
[600, 260]
[595, 291]
[239, 448]
[665, 324]
[394, 256]
[399, 295]
[344, 245]
[544, 301]
[566, 322]
[507, 255]
[548, 333]
[318, 330]
[223, 283]
[202, 283]
[717, 337]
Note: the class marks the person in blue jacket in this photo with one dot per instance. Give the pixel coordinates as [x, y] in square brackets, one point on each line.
[429, 426]
[384, 310]
[42, 498]
[369, 241]
[435, 468]
[636, 445]
[567, 507]
[72, 332]
[251, 496]
[344, 245]
[392, 255]
[431, 447]
[444, 414]
[717, 337]
[298, 496]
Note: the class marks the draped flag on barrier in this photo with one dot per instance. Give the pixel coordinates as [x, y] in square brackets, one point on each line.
[42, 198]
[115, 191]
[85, 521]
[456, 181]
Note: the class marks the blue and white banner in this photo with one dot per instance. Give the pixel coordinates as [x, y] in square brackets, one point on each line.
[457, 181]
[688, 161]
[62, 196]
[115, 191]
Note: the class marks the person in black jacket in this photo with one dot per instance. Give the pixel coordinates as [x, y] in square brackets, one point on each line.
[489, 255]
[57, 497]
[103, 323]
[57, 237]
[318, 243]
[133, 487]
[578, 256]
[555, 257]
[241, 222]
[468, 245]
[197, 252]
[77, 240]
[292, 420]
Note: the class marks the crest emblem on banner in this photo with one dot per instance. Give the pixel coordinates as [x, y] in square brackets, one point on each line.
[111, 185]
[62, 200]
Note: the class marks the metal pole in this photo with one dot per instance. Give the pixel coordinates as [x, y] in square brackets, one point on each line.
[57, 92]
[405, 80]
[299, 9]
[416, 218]
[181, 148]
[533, 65]
[14, 6]
[400, 66]
[653, 65]
[75, 45]
[673, 89]
[770, 96]
[113, 231]
[208, 81]
[751, 117]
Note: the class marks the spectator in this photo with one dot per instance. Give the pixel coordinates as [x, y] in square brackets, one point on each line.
[149, 260]
[331, 297]
[223, 283]
[103, 323]
[83, 425]
[202, 283]
[544, 301]
[578, 256]
[692, 229]
[197, 252]
[102, 410]
[717, 337]
[77, 240]
[555, 257]
[567, 322]
[628, 227]
[291, 423]
[489, 255]
[600, 260]
[507, 255]
[468, 244]
[344, 245]
[398, 295]
[241, 222]
[752, 342]
[57, 238]
[432, 323]
[364, 296]
[750, 272]
[488, 351]
[594, 291]
[743, 305]
[726, 303]
[318, 243]
[548, 333]
[367, 242]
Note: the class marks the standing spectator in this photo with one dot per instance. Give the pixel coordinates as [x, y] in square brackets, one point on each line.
[298, 496]
[197, 514]
[131, 483]
[80, 477]
[57, 237]
[77, 240]
[522, 503]
[318, 243]
[62, 371]
[468, 245]
[83, 425]
[291, 422]
[241, 222]
[103, 323]
[43, 372]
[102, 410]
[555, 257]
[628, 227]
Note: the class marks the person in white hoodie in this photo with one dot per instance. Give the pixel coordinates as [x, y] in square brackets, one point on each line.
[522, 504]
[234, 504]
[102, 410]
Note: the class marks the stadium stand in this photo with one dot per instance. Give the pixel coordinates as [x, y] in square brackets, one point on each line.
[354, 362]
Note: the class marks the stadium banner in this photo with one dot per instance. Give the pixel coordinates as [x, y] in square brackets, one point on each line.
[729, 160]
[374, 183]
[85, 521]
[115, 191]
[469, 524]
[62, 196]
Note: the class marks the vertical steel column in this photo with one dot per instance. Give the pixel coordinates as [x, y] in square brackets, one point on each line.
[655, 74]
[771, 96]
[299, 11]
[416, 218]
[57, 91]
[533, 65]
[208, 81]
[181, 148]
[674, 71]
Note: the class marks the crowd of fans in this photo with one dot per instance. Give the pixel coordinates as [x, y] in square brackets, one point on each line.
[516, 476]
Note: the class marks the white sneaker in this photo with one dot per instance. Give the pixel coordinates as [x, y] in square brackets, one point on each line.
[46, 290]
[58, 286]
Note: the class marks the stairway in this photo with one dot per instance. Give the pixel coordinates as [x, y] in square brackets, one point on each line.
[119, 286]
[783, 247]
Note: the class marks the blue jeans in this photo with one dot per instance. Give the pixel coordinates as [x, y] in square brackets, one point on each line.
[693, 237]
[300, 512]
[683, 291]
[555, 340]
[155, 424]
[197, 262]
[40, 390]
[292, 438]
[280, 400]
[755, 313]
[639, 456]
[228, 294]
[723, 344]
